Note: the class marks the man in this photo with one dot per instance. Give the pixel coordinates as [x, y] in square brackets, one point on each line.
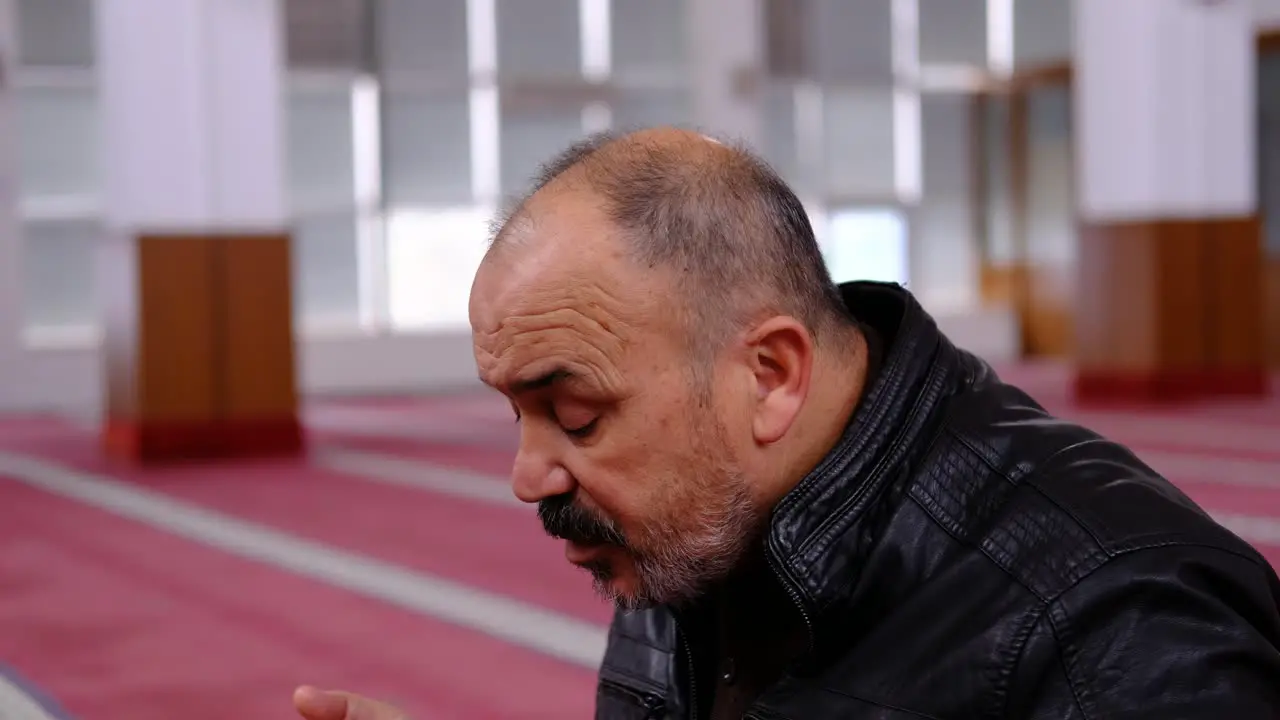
[805, 501]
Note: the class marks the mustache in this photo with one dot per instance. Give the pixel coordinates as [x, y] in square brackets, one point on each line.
[564, 519]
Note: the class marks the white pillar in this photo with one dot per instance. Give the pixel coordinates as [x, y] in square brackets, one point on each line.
[198, 343]
[191, 96]
[1165, 108]
[1169, 294]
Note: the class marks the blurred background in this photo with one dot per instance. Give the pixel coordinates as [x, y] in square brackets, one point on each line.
[1004, 159]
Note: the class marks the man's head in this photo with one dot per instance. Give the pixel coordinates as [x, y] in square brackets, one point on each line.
[655, 309]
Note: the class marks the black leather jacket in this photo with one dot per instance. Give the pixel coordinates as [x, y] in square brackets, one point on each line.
[962, 554]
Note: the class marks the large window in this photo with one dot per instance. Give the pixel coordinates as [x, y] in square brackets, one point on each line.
[409, 122]
[462, 101]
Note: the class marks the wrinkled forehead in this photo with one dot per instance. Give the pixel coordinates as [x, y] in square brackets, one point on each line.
[579, 306]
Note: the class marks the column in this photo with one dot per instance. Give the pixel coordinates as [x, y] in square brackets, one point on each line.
[198, 345]
[1170, 282]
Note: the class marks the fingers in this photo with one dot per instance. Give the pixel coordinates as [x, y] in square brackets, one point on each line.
[315, 704]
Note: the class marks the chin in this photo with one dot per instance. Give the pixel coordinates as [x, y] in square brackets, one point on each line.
[621, 588]
[623, 600]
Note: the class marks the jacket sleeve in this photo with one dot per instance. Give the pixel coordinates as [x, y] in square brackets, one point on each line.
[1184, 632]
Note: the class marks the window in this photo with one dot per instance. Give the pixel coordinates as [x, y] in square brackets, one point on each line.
[431, 262]
[59, 185]
[494, 89]
[329, 52]
[60, 278]
[321, 153]
[1041, 32]
[55, 34]
[953, 32]
[866, 244]
[841, 111]
[409, 122]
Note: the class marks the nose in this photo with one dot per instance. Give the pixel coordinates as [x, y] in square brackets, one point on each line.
[536, 473]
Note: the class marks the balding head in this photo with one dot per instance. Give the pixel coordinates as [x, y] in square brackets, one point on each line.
[735, 238]
[652, 310]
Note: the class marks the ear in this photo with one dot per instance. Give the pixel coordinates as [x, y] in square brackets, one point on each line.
[781, 356]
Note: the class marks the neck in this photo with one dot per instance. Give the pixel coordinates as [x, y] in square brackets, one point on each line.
[839, 377]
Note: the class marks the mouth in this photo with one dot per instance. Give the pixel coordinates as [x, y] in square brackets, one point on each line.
[580, 554]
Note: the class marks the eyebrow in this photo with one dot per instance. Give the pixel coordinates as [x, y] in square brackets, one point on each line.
[540, 382]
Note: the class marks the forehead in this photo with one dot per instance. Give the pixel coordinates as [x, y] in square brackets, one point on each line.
[563, 293]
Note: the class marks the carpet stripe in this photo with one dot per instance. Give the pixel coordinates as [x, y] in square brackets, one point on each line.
[18, 703]
[556, 635]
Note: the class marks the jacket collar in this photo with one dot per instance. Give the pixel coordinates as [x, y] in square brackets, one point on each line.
[823, 531]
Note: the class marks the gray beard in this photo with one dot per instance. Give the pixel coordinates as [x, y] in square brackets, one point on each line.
[678, 567]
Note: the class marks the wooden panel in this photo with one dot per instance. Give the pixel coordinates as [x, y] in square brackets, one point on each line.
[1180, 303]
[1048, 311]
[1043, 297]
[199, 348]
[1168, 309]
[1115, 327]
[177, 345]
[1001, 284]
[1234, 254]
[259, 327]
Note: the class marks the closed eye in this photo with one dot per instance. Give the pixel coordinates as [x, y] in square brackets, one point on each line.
[583, 431]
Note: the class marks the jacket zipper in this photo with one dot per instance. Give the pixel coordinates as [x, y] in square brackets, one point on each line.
[788, 584]
[693, 682]
[692, 669]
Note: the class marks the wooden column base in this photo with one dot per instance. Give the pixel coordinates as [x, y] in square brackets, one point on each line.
[1169, 311]
[199, 348]
[192, 440]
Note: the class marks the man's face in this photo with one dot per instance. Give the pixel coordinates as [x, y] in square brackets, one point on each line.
[632, 462]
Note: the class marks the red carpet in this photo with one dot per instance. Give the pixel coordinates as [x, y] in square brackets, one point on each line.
[118, 619]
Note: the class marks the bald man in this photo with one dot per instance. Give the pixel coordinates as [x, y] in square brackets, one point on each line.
[804, 501]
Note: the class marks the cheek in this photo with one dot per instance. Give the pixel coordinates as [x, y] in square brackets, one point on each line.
[650, 458]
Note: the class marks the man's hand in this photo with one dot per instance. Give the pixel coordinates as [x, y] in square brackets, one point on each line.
[314, 704]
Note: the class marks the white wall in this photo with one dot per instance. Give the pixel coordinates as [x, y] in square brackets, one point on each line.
[70, 378]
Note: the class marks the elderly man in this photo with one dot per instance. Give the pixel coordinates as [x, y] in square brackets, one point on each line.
[805, 501]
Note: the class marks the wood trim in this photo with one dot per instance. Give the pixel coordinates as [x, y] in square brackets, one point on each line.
[1041, 76]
